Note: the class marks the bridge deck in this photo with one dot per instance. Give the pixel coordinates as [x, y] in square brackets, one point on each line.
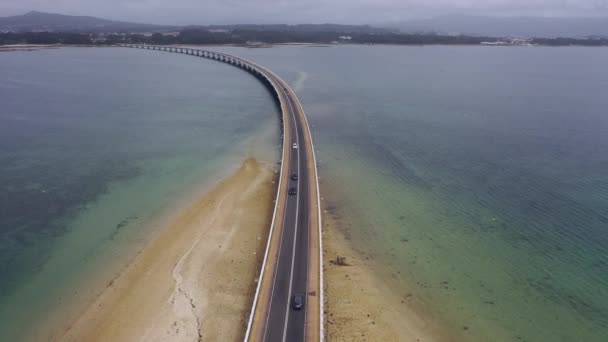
[293, 258]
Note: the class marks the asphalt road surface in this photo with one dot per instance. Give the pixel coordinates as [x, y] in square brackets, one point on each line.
[285, 323]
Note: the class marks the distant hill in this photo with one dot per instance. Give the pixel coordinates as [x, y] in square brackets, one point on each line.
[508, 26]
[449, 24]
[50, 22]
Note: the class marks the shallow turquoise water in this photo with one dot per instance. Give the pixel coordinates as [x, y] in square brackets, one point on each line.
[477, 178]
[95, 145]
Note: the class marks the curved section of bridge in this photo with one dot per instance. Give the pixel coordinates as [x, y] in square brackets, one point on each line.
[292, 265]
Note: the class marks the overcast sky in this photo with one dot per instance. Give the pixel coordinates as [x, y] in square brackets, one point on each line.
[298, 11]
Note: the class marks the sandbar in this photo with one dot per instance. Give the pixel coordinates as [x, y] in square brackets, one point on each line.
[194, 281]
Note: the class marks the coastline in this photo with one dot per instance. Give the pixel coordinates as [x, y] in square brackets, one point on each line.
[27, 47]
[202, 261]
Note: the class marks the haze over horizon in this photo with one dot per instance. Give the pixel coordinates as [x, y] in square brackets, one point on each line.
[185, 12]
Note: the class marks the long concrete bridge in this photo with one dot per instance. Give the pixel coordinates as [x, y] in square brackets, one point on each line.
[292, 265]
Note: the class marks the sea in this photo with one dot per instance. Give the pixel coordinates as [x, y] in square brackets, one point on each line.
[97, 147]
[474, 178]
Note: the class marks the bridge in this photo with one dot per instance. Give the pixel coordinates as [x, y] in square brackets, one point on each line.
[292, 265]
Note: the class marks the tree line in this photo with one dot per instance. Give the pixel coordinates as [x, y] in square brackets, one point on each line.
[570, 42]
[244, 35]
[45, 38]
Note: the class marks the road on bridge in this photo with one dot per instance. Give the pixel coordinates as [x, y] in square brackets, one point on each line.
[292, 261]
[296, 244]
[284, 323]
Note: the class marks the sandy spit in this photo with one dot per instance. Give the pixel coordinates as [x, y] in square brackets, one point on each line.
[195, 280]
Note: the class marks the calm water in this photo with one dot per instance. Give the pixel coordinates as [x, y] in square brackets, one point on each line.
[95, 144]
[477, 178]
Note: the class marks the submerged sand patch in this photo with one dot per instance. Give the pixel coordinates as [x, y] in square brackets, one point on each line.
[195, 280]
[359, 305]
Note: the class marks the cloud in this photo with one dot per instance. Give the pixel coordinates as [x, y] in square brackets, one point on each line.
[294, 11]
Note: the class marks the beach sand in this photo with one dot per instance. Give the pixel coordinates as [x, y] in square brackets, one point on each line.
[196, 278]
[360, 306]
[194, 281]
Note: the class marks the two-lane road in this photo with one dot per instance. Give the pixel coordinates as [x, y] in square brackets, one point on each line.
[291, 275]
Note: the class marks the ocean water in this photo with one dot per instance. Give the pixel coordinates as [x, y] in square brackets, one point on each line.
[475, 177]
[96, 145]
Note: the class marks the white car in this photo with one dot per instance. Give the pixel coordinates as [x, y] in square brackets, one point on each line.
[295, 146]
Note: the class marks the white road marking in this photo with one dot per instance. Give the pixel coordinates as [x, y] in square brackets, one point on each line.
[277, 266]
[295, 235]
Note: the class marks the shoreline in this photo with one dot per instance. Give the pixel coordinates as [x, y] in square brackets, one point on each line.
[201, 259]
[28, 47]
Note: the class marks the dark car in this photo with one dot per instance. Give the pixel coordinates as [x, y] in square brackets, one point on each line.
[294, 176]
[292, 191]
[297, 303]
